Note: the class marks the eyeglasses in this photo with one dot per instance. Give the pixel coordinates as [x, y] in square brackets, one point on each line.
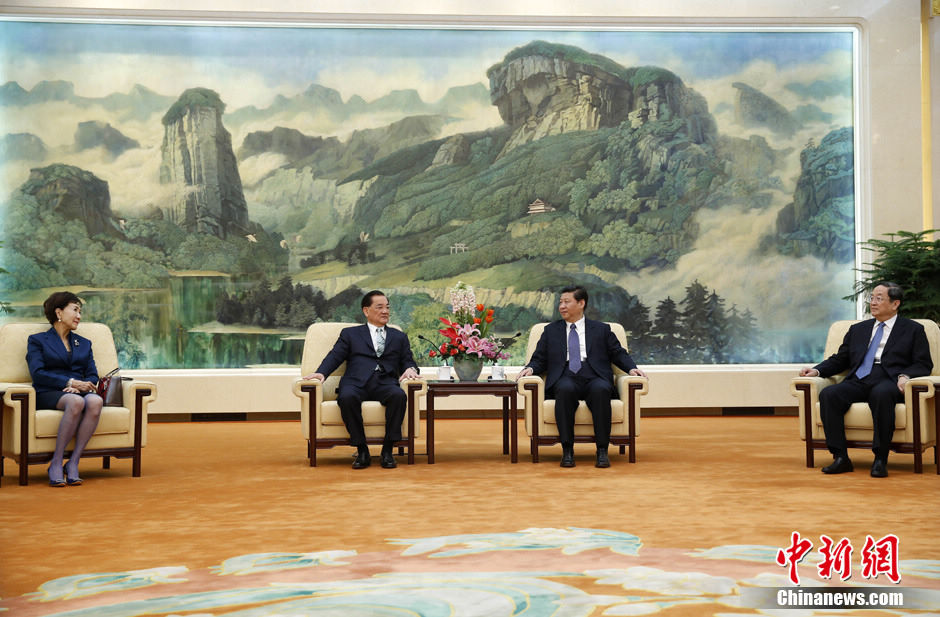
[877, 299]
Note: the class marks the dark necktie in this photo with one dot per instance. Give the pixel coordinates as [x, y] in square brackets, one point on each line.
[574, 350]
[869, 360]
[380, 341]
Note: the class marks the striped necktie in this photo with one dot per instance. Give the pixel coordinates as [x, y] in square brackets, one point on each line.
[380, 341]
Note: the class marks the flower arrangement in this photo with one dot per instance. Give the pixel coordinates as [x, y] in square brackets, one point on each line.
[468, 333]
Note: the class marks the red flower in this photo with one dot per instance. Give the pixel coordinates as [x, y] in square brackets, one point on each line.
[453, 351]
[480, 307]
[489, 319]
[432, 353]
[489, 313]
[476, 320]
[451, 331]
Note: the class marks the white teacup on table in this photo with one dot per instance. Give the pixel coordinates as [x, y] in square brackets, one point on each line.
[443, 373]
[499, 372]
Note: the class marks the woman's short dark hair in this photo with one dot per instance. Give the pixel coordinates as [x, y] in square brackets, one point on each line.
[58, 300]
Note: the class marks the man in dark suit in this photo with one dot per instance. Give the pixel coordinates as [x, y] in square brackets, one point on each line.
[377, 358]
[576, 354]
[883, 353]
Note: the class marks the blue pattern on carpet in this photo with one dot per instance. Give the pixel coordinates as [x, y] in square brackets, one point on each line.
[557, 573]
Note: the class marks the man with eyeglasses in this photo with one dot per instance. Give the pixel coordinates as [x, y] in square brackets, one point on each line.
[882, 353]
[377, 358]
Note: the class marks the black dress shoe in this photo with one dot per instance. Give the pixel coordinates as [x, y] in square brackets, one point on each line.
[840, 464]
[388, 460]
[879, 469]
[602, 460]
[363, 460]
[567, 457]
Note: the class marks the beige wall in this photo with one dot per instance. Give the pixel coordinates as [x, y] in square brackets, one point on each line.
[891, 173]
[934, 55]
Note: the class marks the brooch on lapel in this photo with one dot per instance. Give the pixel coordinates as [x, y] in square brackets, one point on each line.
[75, 342]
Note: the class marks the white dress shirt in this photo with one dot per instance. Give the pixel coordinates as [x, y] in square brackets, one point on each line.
[889, 325]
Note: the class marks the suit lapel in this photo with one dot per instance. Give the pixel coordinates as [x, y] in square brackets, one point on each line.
[590, 334]
[860, 346]
[562, 340]
[366, 333]
[54, 344]
[900, 326]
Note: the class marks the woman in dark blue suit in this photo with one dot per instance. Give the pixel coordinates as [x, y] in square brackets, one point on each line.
[64, 376]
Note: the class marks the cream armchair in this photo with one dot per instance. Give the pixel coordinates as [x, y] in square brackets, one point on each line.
[540, 413]
[915, 420]
[28, 434]
[320, 418]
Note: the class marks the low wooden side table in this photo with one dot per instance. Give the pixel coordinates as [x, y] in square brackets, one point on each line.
[502, 388]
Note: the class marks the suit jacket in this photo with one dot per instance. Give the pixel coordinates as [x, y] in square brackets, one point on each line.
[354, 347]
[906, 352]
[603, 349]
[49, 363]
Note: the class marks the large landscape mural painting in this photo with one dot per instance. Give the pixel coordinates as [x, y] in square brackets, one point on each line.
[210, 191]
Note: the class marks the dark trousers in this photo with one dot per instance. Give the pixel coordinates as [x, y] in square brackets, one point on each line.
[879, 391]
[587, 386]
[380, 387]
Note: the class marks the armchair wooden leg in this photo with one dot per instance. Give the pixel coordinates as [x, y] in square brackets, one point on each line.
[24, 437]
[139, 421]
[918, 437]
[807, 422]
[534, 440]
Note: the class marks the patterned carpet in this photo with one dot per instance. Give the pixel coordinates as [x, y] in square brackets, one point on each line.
[228, 520]
[535, 572]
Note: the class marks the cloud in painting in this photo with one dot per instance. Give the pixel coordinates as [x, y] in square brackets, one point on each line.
[729, 237]
[373, 81]
[822, 88]
[166, 75]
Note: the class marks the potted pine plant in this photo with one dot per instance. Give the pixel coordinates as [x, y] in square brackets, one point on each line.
[912, 260]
